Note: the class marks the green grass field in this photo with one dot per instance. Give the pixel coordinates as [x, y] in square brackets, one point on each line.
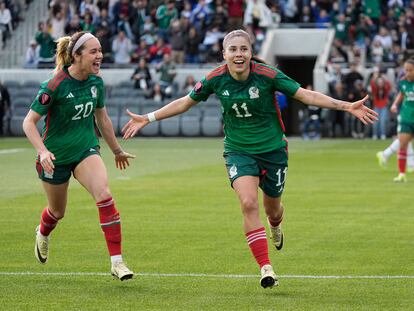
[347, 228]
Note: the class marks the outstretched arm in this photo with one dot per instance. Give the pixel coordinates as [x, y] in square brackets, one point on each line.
[358, 109]
[174, 108]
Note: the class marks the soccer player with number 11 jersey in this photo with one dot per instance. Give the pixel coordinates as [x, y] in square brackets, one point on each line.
[255, 147]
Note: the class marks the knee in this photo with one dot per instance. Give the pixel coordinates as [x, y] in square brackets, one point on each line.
[58, 214]
[249, 205]
[102, 194]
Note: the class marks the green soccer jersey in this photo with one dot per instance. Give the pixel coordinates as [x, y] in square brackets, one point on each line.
[407, 107]
[69, 106]
[251, 116]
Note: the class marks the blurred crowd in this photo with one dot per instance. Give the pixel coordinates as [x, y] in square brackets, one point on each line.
[10, 16]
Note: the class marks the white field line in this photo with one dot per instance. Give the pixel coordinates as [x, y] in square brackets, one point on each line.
[8, 151]
[202, 275]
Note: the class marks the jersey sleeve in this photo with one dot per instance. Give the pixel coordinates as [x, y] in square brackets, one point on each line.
[202, 90]
[43, 100]
[284, 84]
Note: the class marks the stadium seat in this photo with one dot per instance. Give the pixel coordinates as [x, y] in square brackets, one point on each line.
[123, 117]
[170, 126]
[211, 124]
[113, 112]
[19, 110]
[152, 129]
[190, 122]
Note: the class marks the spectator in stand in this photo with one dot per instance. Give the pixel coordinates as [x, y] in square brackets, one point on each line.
[341, 26]
[357, 129]
[167, 74]
[57, 23]
[212, 36]
[142, 51]
[142, 76]
[5, 21]
[338, 117]
[351, 77]
[235, 14]
[104, 21]
[215, 53]
[219, 18]
[125, 26]
[186, 11]
[158, 50]
[122, 8]
[306, 16]
[193, 41]
[157, 93]
[385, 39]
[121, 49]
[103, 36]
[200, 15]
[73, 26]
[177, 41]
[4, 105]
[47, 45]
[142, 13]
[88, 26]
[380, 94]
[257, 16]
[376, 52]
[189, 84]
[89, 6]
[165, 14]
[32, 55]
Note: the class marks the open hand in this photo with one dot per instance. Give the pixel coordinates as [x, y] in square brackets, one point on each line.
[362, 112]
[136, 123]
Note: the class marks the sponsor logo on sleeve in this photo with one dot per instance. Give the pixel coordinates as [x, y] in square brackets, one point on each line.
[44, 99]
[198, 87]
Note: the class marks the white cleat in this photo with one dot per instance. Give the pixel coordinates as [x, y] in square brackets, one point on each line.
[120, 271]
[41, 249]
[276, 235]
[268, 278]
[401, 178]
[382, 161]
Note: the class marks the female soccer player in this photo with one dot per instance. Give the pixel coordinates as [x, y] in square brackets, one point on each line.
[405, 129]
[255, 147]
[71, 100]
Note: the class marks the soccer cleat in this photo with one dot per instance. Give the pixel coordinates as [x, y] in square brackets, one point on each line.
[121, 271]
[276, 234]
[401, 178]
[41, 247]
[382, 161]
[268, 278]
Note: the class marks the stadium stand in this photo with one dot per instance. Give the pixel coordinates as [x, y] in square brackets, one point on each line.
[370, 34]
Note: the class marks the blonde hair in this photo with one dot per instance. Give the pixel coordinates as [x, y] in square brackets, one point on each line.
[64, 50]
[236, 33]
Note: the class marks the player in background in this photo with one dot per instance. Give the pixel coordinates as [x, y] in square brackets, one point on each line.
[383, 156]
[71, 100]
[404, 103]
[255, 147]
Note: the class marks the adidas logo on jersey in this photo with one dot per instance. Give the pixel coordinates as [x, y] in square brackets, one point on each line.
[70, 95]
[226, 93]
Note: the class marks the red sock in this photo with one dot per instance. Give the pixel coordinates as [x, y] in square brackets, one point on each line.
[48, 222]
[402, 160]
[111, 225]
[257, 241]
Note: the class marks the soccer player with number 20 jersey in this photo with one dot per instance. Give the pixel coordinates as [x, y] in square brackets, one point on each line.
[71, 100]
[255, 147]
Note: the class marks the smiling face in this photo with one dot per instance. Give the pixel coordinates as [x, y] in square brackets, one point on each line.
[90, 59]
[238, 53]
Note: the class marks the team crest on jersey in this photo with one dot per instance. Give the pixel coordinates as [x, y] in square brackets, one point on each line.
[198, 87]
[254, 92]
[233, 171]
[94, 91]
[44, 99]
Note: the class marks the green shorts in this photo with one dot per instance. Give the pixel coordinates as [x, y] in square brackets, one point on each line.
[63, 172]
[405, 127]
[271, 167]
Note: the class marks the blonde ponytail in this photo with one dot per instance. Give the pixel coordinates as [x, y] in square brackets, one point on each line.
[62, 53]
